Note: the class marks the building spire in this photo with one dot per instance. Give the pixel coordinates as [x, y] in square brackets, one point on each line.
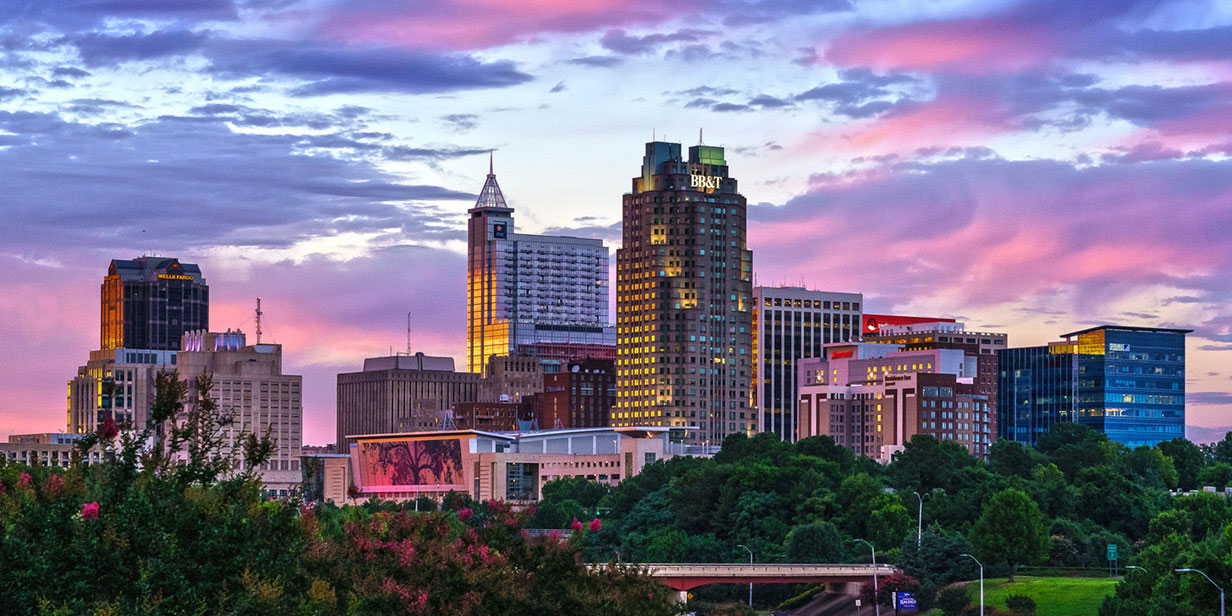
[490, 195]
[699, 137]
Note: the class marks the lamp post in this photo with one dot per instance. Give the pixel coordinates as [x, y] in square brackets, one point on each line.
[919, 524]
[750, 572]
[1128, 567]
[1208, 578]
[876, 603]
[977, 561]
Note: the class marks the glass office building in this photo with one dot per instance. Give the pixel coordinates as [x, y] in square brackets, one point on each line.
[1036, 389]
[1131, 382]
[1127, 382]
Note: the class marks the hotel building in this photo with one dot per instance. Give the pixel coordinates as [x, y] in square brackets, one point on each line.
[874, 398]
[684, 311]
[983, 346]
[533, 295]
[790, 323]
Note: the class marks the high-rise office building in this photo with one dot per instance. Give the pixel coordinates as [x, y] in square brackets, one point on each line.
[684, 313]
[537, 295]
[983, 346]
[250, 387]
[790, 323]
[150, 302]
[1126, 382]
[403, 393]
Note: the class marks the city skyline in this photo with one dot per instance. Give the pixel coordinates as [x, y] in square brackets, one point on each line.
[1022, 168]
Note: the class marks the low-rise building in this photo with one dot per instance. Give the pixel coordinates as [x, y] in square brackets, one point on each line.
[507, 466]
[45, 449]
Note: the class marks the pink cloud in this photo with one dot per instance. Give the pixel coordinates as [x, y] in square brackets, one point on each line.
[478, 24]
[979, 47]
[945, 122]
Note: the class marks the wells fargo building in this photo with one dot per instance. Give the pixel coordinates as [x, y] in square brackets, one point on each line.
[683, 298]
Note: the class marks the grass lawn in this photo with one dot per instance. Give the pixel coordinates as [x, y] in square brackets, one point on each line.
[1054, 596]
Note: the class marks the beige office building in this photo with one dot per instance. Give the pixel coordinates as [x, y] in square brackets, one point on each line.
[249, 384]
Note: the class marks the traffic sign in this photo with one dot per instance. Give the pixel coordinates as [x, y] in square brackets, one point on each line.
[905, 601]
[1112, 551]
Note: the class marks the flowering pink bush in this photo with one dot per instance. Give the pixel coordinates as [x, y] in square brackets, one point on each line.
[576, 525]
[595, 525]
[54, 485]
[23, 479]
[89, 511]
[466, 514]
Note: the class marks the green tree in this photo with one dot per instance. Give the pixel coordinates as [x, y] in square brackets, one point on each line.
[1073, 447]
[819, 542]
[1187, 459]
[1013, 459]
[1012, 530]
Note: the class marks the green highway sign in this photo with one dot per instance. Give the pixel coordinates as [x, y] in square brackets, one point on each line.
[1112, 551]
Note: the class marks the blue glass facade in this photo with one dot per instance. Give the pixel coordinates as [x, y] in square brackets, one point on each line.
[1127, 382]
[1036, 388]
[1131, 383]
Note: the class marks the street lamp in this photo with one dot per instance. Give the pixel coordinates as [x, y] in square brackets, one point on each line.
[919, 524]
[876, 603]
[1127, 567]
[750, 572]
[977, 561]
[1208, 578]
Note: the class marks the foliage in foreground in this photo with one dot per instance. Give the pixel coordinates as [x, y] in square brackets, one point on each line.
[147, 532]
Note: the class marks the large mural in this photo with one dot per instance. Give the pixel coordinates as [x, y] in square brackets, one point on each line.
[435, 462]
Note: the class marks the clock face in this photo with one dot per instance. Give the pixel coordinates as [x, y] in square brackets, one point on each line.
[499, 231]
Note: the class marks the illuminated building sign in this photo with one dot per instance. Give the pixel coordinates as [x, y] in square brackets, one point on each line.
[707, 182]
[841, 354]
[500, 231]
[174, 277]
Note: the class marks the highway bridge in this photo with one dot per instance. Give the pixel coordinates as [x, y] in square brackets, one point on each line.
[682, 577]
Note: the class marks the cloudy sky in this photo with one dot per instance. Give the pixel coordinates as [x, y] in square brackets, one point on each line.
[1029, 167]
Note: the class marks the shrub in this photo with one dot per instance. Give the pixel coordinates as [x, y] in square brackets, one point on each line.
[952, 600]
[1020, 605]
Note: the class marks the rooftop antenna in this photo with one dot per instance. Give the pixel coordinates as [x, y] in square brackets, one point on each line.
[258, 320]
[408, 332]
[653, 136]
[699, 136]
[491, 155]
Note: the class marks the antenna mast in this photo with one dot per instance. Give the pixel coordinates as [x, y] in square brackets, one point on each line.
[408, 332]
[258, 320]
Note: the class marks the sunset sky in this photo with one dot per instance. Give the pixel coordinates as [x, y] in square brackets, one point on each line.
[1028, 167]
